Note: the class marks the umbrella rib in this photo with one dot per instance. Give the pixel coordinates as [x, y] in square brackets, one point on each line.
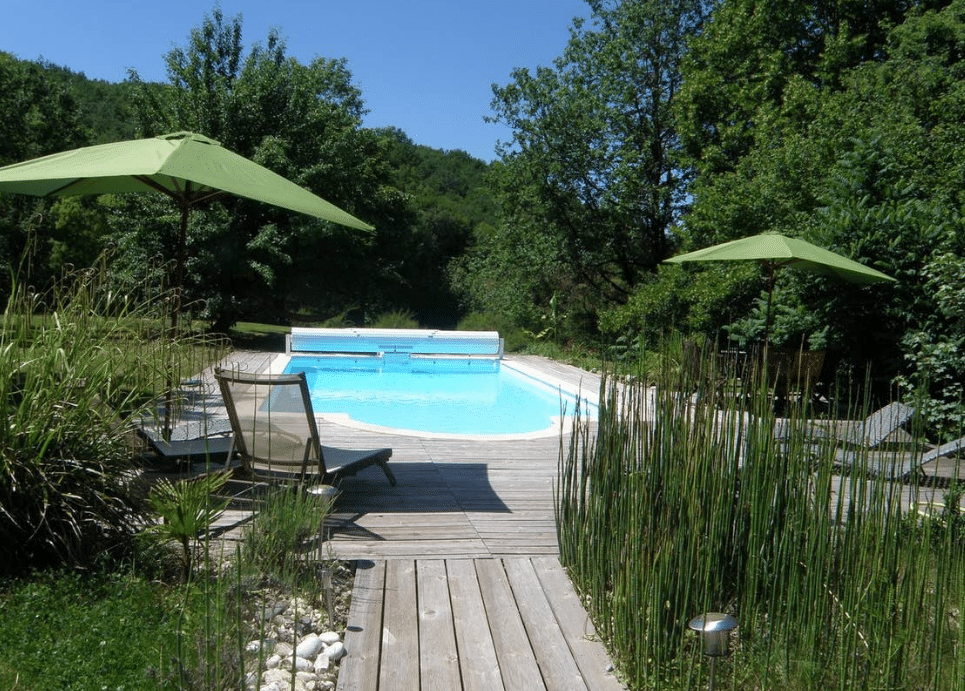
[156, 186]
[179, 195]
[60, 190]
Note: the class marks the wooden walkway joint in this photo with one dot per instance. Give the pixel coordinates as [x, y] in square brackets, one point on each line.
[511, 624]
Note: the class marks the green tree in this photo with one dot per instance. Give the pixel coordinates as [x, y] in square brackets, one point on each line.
[38, 116]
[303, 122]
[450, 199]
[591, 175]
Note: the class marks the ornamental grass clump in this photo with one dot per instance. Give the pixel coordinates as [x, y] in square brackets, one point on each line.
[277, 543]
[690, 497]
[73, 362]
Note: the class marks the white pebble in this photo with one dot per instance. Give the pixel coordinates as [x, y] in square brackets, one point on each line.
[275, 676]
[303, 665]
[321, 663]
[306, 678]
[329, 637]
[336, 651]
[309, 647]
[273, 662]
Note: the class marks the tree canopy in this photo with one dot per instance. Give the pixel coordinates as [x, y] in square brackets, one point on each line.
[247, 260]
[591, 182]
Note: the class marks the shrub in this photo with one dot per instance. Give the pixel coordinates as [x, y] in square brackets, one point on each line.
[395, 320]
[514, 338]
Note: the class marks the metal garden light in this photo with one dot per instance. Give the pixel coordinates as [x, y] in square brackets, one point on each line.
[715, 629]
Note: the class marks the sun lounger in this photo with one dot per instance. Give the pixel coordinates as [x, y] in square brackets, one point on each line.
[204, 441]
[276, 434]
[200, 440]
[901, 465]
[950, 449]
[869, 433]
[877, 427]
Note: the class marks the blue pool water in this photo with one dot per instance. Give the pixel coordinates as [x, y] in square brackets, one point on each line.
[448, 396]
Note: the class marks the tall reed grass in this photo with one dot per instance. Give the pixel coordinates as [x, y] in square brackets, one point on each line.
[73, 362]
[680, 501]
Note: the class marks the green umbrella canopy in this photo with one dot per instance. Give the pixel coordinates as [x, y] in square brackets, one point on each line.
[775, 251]
[187, 167]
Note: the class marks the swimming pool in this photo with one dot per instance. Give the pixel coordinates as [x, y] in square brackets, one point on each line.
[447, 397]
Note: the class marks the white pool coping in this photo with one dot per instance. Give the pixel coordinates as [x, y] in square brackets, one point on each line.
[558, 425]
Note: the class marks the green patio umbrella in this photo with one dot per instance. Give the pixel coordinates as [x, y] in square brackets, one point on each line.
[189, 168]
[775, 251]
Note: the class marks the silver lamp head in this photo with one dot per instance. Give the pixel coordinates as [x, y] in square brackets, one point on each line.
[715, 628]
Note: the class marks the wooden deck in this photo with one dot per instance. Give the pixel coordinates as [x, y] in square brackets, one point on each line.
[474, 624]
[458, 584]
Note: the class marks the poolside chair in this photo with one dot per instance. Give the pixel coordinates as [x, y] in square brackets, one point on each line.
[952, 448]
[876, 428]
[200, 440]
[276, 434]
[906, 466]
[869, 433]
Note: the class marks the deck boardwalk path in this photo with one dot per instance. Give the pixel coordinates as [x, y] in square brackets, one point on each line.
[454, 563]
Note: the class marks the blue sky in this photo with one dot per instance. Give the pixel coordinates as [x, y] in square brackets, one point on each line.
[424, 66]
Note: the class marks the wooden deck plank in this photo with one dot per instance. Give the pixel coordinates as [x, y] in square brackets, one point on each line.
[399, 665]
[438, 655]
[477, 652]
[575, 625]
[517, 662]
[559, 669]
[411, 550]
[359, 670]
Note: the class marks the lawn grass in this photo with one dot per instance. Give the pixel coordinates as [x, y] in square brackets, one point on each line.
[269, 338]
[111, 629]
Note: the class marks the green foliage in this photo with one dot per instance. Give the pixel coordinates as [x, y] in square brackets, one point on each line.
[288, 523]
[590, 184]
[850, 138]
[303, 122]
[38, 116]
[447, 198]
[688, 505]
[186, 509]
[701, 302]
[73, 361]
[513, 337]
[395, 320]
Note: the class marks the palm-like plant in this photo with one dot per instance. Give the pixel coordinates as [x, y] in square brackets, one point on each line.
[186, 509]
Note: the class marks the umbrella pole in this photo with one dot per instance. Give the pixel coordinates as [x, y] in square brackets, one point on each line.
[175, 314]
[767, 312]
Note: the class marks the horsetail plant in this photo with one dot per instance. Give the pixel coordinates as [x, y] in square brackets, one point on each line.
[692, 496]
